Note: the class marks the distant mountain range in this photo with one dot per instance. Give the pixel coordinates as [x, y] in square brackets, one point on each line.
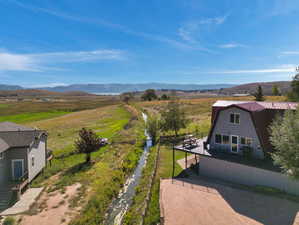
[120, 88]
[227, 89]
[4, 87]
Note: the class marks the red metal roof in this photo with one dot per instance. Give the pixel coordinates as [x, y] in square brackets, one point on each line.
[258, 106]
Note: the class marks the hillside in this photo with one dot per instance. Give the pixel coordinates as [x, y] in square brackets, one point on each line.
[284, 87]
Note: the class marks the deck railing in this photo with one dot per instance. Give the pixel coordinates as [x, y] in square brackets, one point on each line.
[49, 154]
[20, 183]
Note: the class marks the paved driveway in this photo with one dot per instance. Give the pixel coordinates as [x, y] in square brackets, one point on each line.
[201, 202]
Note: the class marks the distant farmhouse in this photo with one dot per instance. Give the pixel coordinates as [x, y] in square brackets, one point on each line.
[23, 155]
[239, 124]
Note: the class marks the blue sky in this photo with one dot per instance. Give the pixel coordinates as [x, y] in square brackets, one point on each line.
[47, 42]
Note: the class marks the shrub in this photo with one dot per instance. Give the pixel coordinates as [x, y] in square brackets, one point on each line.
[247, 152]
[87, 143]
[9, 221]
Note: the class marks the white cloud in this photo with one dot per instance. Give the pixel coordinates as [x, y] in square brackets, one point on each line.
[38, 62]
[45, 85]
[17, 62]
[114, 26]
[190, 32]
[79, 56]
[290, 53]
[216, 20]
[280, 69]
[232, 45]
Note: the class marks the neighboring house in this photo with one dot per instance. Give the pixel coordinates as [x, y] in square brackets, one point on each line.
[23, 155]
[239, 124]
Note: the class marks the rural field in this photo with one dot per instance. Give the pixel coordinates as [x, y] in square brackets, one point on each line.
[80, 194]
[94, 185]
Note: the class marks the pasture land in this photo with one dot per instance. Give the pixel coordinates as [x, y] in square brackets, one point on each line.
[67, 104]
[103, 178]
[111, 165]
[32, 116]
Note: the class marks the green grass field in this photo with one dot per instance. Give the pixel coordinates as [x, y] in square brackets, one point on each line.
[111, 165]
[30, 117]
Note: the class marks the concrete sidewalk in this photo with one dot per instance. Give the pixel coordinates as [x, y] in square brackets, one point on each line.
[23, 205]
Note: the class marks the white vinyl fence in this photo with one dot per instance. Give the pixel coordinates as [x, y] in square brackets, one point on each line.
[247, 175]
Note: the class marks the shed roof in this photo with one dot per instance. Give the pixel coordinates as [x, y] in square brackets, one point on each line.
[8, 126]
[13, 135]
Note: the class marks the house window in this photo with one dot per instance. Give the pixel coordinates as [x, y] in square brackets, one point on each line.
[218, 138]
[243, 140]
[1, 155]
[221, 139]
[235, 118]
[32, 161]
[225, 139]
[246, 141]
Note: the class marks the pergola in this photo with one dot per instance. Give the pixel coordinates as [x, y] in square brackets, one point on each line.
[190, 145]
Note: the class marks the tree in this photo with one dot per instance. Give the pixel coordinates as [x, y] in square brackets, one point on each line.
[293, 95]
[126, 97]
[149, 95]
[285, 138]
[275, 90]
[259, 96]
[173, 117]
[153, 128]
[164, 97]
[87, 143]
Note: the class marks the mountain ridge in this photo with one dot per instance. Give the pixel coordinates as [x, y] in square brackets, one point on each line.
[110, 88]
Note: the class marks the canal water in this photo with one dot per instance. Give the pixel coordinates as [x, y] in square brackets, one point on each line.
[121, 204]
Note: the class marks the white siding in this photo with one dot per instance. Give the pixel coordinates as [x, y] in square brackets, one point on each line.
[38, 151]
[244, 129]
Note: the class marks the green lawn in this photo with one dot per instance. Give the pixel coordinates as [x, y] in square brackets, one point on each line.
[30, 117]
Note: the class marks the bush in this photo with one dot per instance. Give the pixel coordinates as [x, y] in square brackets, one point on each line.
[247, 152]
[9, 221]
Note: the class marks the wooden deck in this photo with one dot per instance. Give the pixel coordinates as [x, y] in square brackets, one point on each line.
[197, 148]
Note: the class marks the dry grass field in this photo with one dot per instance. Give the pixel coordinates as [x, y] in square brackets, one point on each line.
[198, 110]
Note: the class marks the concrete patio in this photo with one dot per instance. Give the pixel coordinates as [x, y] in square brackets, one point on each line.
[23, 205]
[201, 202]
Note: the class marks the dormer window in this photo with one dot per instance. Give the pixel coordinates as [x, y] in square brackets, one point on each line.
[235, 118]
